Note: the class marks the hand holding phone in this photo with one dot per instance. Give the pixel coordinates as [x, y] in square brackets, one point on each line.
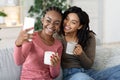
[29, 23]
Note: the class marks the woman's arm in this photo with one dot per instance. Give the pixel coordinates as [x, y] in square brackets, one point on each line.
[55, 70]
[22, 47]
[87, 56]
[20, 53]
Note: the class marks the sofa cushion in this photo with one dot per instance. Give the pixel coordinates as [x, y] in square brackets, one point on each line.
[8, 70]
[114, 58]
[106, 57]
[101, 56]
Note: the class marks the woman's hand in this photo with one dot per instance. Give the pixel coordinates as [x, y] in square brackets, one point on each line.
[23, 36]
[78, 50]
[55, 59]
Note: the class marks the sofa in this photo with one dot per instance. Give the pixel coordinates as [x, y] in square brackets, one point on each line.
[105, 57]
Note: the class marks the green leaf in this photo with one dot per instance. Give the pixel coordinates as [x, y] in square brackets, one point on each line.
[3, 14]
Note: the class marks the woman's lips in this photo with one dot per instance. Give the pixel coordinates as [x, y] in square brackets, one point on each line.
[67, 28]
[51, 30]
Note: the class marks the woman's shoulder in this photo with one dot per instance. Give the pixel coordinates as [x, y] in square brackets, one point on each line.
[58, 41]
[57, 36]
[92, 34]
[36, 32]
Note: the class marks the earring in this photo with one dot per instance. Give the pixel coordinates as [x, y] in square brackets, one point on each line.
[80, 27]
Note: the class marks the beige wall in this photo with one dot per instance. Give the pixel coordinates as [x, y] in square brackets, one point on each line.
[104, 18]
[25, 5]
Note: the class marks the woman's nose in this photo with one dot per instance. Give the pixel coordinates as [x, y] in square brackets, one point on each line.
[67, 23]
[51, 25]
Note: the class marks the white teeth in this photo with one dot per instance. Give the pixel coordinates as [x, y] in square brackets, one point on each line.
[51, 30]
[67, 28]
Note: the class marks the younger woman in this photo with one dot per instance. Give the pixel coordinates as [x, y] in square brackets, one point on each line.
[77, 63]
[30, 54]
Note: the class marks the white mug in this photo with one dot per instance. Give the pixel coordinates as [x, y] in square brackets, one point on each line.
[47, 57]
[70, 47]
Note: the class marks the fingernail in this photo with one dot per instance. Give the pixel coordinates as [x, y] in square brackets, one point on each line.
[50, 56]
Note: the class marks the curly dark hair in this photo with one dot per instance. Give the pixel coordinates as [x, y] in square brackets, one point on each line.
[83, 33]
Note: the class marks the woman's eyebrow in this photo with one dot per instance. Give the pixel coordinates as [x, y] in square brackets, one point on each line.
[51, 19]
[73, 19]
[48, 18]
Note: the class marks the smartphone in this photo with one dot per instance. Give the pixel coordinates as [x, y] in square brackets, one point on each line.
[29, 23]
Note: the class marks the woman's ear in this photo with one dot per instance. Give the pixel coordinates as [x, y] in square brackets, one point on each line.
[80, 27]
